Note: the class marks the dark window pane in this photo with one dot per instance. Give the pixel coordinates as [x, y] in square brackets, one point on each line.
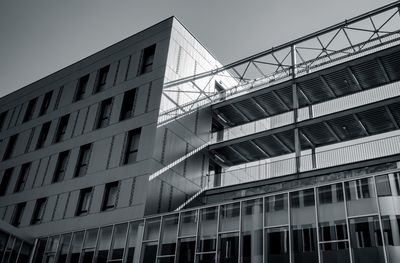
[110, 196]
[128, 105]
[30, 110]
[81, 89]
[149, 252]
[38, 212]
[186, 250]
[277, 245]
[252, 235]
[147, 59]
[168, 235]
[83, 160]
[10, 147]
[2, 119]
[337, 252]
[18, 212]
[61, 128]
[132, 146]
[104, 115]
[44, 131]
[85, 197]
[5, 181]
[45, 103]
[23, 176]
[61, 167]
[366, 240]
[208, 229]
[228, 251]
[102, 78]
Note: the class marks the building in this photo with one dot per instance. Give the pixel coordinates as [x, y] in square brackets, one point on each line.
[152, 151]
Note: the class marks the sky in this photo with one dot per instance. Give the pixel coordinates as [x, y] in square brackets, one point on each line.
[40, 37]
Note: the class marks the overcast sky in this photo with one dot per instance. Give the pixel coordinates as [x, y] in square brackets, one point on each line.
[39, 37]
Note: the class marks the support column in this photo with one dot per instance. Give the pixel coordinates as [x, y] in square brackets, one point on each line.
[296, 134]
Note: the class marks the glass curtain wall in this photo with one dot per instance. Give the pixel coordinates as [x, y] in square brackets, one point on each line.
[352, 221]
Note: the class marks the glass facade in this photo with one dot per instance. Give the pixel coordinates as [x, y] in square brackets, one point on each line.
[13, 249]
[353, 220]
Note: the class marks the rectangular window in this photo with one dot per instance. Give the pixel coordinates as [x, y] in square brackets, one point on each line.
[23, 176]
[110, 196]
[38, 212]
[61, 129]
[44, 131]
[10, 147]
[5, 181]
[81, 89]
[128, 105]
[18, 212]
[102, 78]
[146, 63]
[30, 110]
[83, 160]
[104, 113]
[2, 119]
[132, 145]
[61, 167]
[85, 197]
[45, 103]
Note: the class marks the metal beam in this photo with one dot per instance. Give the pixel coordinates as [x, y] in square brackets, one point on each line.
[396, 124]
[260, 107]
[239, 154]
[334, 134]
[260, 149]
[361, 124]
[353, 77]
[327, 86]
[240, 113]
[384, 72]
[280, 100]
[307, 139]
[281, 143]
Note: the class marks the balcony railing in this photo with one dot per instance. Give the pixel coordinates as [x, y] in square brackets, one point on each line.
[323, 158]
[343, 103]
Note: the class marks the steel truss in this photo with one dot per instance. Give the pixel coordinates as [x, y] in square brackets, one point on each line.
[361, 35]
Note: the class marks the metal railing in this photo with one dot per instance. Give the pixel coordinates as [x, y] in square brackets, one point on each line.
[323, 158]
[343, 103]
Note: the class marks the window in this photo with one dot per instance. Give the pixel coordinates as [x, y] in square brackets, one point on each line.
[23, 176]
[2, 119]
[10, 147]
[5, 180]
[61, 167]
[18, 212]
[85, 197]
[81, 87]
[45, 103]
[104, 114]
[83, 160]
[44, 131]
[128, 105]
[38, 212]
[147, 60]
[62, 128]
[30, 110]
[131, 148]
[110, 196]
[102, 78]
